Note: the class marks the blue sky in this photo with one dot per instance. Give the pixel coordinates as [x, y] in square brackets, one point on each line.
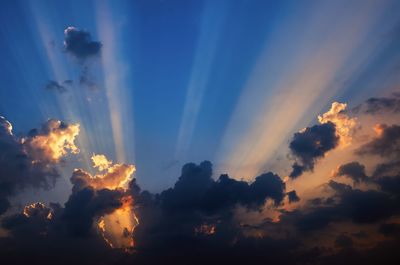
[184, 131]
[186, 81]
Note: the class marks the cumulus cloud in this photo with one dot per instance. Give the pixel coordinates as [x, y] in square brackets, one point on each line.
[353, 170]
[311, 144]
[346, 204]
[79, 44]
[344, 125]
[101, 162]
[196, 190]
[224, 219]
[84, 205]
[292, 196]
[30, 161]
[52, 141]
[379, 105]
[385, 144]
[115, 175]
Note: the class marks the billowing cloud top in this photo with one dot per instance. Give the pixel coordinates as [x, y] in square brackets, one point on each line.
[30, 161]
[53, 141]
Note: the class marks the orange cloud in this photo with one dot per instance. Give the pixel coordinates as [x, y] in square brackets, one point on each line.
[115, 175]
[345, 125]
[101, 162]
[53, 142]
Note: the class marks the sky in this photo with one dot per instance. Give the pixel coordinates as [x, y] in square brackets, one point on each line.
[220, 125]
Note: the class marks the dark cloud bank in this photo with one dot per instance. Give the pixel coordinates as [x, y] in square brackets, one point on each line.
[196, 222]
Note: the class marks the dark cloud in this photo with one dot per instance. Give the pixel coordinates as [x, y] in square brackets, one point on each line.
[292, 195]
[168, 221]
[84, 205]
[59, 87]
[79, 44]
[54, 85]
[389, 184]
[197, 202]
[21, 168]
[196, 190]
[194, 223]
[387, 168]
[353, 170]
[386, 144]
[354, 205]
[311, 144]
[379, 105]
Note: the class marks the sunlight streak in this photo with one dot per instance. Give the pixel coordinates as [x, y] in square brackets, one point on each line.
[201, 70]
[275, 102]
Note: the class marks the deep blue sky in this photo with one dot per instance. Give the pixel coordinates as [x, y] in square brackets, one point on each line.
[195, 80]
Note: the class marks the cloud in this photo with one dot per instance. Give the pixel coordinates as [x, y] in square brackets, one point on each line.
[379, 105]
[217, 218]
[348, 204]
[52, 141]
[59, 87]
[353, 170]
[385, 144]
[79, 44]
[344, 125]
[115, 175]
[30, 161]
[84, 205]
[293, 197]
[311, 144]
[196, 190]
[101, 162]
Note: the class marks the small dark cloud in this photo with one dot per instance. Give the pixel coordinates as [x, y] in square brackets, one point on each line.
[55, 86]
[379, 105]
[386, 144]
[311, 144]
[79, 44]
[292, 195]
[387, 168]
[353, 170]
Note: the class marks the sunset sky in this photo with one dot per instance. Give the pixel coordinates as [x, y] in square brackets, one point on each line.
[200, 132]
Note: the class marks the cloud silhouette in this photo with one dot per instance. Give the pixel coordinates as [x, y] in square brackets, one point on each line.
[311, 144]
[79, 44]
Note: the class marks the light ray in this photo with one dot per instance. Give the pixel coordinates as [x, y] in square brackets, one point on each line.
[286, 92]
[206, 48]
[116, 81]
